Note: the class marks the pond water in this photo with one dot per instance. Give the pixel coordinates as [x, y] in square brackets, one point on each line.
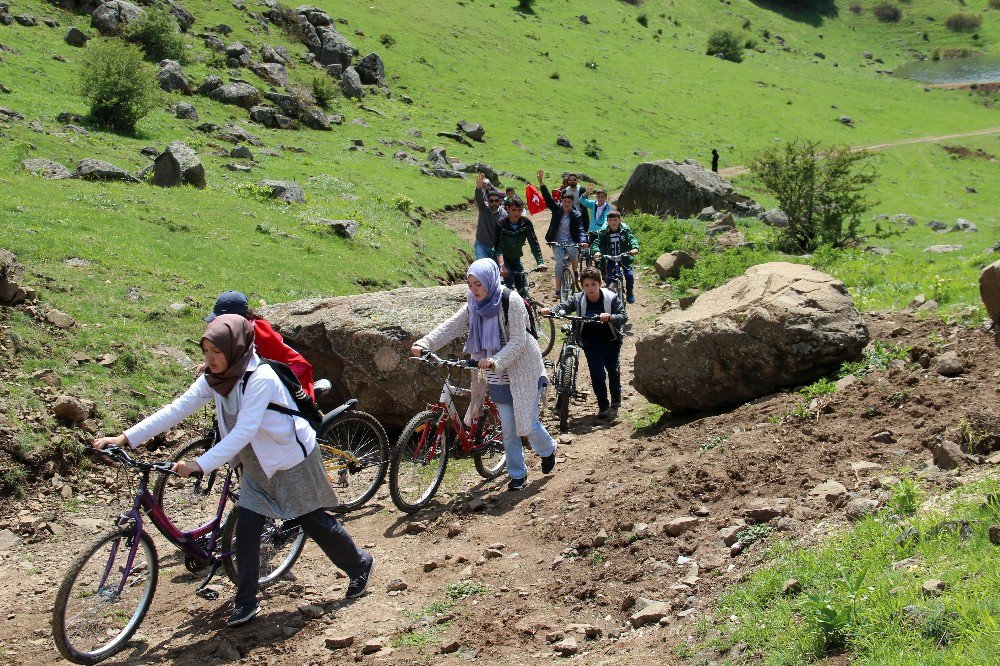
[974, 69]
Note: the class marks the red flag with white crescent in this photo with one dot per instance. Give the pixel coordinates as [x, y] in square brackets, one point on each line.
[534, 200]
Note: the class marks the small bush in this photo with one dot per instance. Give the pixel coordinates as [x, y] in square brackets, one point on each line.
[643, 20]
[159, 36]
[387, 40]
[855, 8]
[591, 149]
[554, 76]
[120, 87]
[963, 22]
[526, 6]
[887, 12]
[323, 90]
[994, 4]
[726, 43]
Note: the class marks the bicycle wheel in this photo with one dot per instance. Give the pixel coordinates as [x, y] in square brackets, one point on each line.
[616, 286]
[92, 619]
[546, 329]
[418, 463]
[280, 547]
[194, 501]
[356, 456]
[489, 456]
[565, 392]
[567, 284]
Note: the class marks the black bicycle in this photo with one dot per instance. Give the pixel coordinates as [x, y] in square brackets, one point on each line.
[545, 328]
[567, 280]
[566, 368]
[614, 274]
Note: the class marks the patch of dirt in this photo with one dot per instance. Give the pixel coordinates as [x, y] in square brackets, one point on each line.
[576, 548]
[966, 153]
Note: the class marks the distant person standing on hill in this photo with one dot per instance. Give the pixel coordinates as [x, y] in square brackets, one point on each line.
[715, 160]
[490, 213]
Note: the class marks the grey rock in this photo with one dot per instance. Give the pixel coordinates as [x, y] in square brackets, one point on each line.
[683, 189]
[276, 54]
[832, 491]
[989, 289]
[648, 611]
[761, 510]
[314, 117]
[948, 455]
[8, 540]
[903, 218]
[268, 116]
[934, 587]
[964, 225]
[210, 84]
[45, 169]
[72, 409]
[111, 17]
[284, 190]
[371, 70]
[336, 70]
[76, 37]
[846, 120]
[330, 47]
[273, 73]
[707, 214]
[91, 169]
[236, 94]
[350, 84]
[171, 77]
[474, 131]
[213, 43]
[941, 249]
[11, 276]
[563, 142]
[566, 647]
[241, 153]
[240, 168]
[950, 364]
[27, 20]
[178, 165]
[185, 19]
[723, 225]
[186, 111]
[236, 134]
[937, 226]
[774, 218]
[678, 526]
[238, 55]
[343, 228]
[860, 507]
[669, 264]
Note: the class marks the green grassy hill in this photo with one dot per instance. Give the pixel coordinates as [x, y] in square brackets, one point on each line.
[633, 80]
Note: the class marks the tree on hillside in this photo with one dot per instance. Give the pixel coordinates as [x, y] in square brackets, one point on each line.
[727, 44]
[822, 192]
[120, 87]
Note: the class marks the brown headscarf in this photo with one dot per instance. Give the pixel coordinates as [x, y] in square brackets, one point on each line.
[232, 334]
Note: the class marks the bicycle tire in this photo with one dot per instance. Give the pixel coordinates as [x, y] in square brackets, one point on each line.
[545, 328]
[64, 598]
[356, 445]
[565, 392]
[567, 284]
[406, 453]
[194, 501]
[270, 536]
[489, 427]
[616, 286]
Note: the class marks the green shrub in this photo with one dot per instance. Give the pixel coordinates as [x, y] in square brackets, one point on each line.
[887, 12]
[119, 86]
[643, 20]
[157, 33]
[387, 40]
[994, 4]
[526, 6]
[963, 22]
[855, 8]
[591, 149]
[822, 192]
[323, 90]
[726, 43]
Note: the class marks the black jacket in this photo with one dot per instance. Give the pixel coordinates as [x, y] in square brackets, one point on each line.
[577, 229]
[612, 305]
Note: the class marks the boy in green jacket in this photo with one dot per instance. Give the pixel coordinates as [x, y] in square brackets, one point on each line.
[616, 238]
[512, 232]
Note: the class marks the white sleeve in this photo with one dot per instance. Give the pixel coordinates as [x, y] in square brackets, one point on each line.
[197, 396]
[258, 394]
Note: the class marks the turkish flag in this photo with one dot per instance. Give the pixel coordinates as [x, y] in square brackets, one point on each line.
[536, 204]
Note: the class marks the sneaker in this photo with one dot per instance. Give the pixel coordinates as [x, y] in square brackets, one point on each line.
[242, 615]
[518, 484]
[548, 463]
[359, 583]
[631, 298]
[603, 412]
[616, 404]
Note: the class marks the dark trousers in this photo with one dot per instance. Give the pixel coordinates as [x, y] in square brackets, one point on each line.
[625, 271]
[328, 533]
[519, 282]
[602, 359]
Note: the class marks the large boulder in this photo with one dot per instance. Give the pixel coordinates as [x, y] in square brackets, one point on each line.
[682, 189]
[777, 325]
[91, 169]
[371, 70]
[361, 342]
[331, 47]
[76, 37]
[989, 289]
[669, 264]
[237, 94]
[172, 78]
[45, 169]
[178, 165]
[284, 190]
[273, 73]
[111, 17]
[11, 275]
[350, 84]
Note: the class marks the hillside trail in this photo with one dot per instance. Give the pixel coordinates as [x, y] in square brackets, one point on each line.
[739, 170]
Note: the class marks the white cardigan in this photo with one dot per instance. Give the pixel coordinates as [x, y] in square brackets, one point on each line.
[272, 434]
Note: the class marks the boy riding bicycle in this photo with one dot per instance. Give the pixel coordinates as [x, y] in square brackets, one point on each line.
[512, 232]
[616, 239]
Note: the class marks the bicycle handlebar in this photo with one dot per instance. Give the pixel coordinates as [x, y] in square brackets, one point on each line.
[120, 455]
[435, 360]
[615, 257]
[585, 320]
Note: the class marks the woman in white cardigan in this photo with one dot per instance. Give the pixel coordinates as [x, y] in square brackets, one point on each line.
[283, 476]
[515, 373]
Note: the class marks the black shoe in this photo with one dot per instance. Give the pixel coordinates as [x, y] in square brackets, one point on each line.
[518, 484]
[359, 583]
[242, 615]
[548, 463]
[603, 412]
[616, 404]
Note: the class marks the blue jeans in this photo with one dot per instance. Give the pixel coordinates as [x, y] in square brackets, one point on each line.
[563, 256]
[484, 251]
[603, 361]
[626, 272]
[541, 441]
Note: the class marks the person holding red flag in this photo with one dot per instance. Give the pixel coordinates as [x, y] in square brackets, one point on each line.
[534, 200]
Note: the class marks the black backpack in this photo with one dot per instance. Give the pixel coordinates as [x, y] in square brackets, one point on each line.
[505, 302]
[306, 406]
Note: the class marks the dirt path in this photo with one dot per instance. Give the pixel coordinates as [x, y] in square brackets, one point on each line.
[501, 577]
[739, 170]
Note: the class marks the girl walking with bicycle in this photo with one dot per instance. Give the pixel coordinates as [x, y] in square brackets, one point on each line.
[283, 475]
[602, 343]
[515, 374]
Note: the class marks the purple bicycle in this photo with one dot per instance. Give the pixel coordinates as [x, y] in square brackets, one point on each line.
[108, 589]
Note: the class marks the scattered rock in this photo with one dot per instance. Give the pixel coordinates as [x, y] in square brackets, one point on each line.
[845, 382]
[371, 70]
[350, 84]
[995, 535]
[648, 611]
[72, 409]
[738, 342]
[731, 535]
[707, 214]
[723, 225]
[563, 142]
[8, 540]
[339, 642]
[178, 165]
[845, 120]
[761, 510]
[241, 153]
[832, 491]
[236, 94]
[903, 218]
[111, 17]
[774, 218]
[315, 118]
[45, 169]
[27, 20]
[237, 55]
[860, 507]
[567, 647]
[284, 190]
[76, 37]
[276, 54]
[679, 526]
[268, 116]
[937, 226]
[948, 455]
[372, 646]
[950, 364]
[964, 225]
[210, 84]
[343, 228]
[186, 111]
[934, 587]
[397, 585]
[96, 170]
[449, 647]
[989, 290]
[312, 611]
[172, 78]
[941, 249]
[272, 72]
[59, 319]
[791, 587]
[474, 131]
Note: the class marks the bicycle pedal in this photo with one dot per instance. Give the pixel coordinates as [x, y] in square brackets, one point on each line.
[207, 593]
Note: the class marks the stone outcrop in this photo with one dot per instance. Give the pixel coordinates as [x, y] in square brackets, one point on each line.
[778, 325]
[361, 342]
[681, 188]
[989, 290]
[91, 169]
[111, 17]
[284, 190]
[178, 165]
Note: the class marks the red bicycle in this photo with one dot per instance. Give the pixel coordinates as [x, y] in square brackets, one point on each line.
[421, 454]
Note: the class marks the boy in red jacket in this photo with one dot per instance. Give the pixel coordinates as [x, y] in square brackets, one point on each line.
[267, 340]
